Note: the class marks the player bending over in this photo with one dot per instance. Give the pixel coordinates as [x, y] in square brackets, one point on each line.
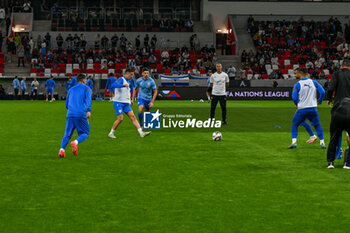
[121, 103]
[305, 98]
[78, 103]
[145, 98]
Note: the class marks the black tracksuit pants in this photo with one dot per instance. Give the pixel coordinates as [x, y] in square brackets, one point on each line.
[214, 101]
[340, 121]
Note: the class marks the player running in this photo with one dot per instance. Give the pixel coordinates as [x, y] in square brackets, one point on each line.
[305, 98]
[145, 99]
[121, 103]
[78, 103]
[50, 84]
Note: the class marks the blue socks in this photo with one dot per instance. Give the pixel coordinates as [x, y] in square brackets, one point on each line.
[140, 118]
[66, 139]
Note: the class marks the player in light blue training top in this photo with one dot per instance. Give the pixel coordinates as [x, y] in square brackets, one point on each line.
[147, 93]
[50, 84]
[121, 103]
[78, 103]
[305, 98]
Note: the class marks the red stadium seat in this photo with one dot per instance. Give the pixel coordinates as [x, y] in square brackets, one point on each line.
[160, 68]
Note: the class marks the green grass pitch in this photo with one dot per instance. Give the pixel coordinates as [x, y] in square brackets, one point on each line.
[171, 181]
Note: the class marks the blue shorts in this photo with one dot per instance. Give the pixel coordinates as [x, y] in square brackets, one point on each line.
[143, 102]
[310, 114]
[79, 123]
[121, 107]
[49, 91]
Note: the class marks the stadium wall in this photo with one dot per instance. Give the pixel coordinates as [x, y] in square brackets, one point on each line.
[220, 10]
[175, 40]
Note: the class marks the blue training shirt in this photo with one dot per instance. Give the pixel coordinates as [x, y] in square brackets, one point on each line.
[297, 87]
[145, 88]
[78, 101]
[109, 83]
[132, 84]
[15, 83]
[68, 85]
[74, 81]
[50, 84]
[90, 83]
[23, 85]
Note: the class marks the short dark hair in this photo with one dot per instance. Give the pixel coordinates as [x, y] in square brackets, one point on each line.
[81, 77]
[128, 70]
[111, 74]
[302, 71]
[346, 62]
[145, 69]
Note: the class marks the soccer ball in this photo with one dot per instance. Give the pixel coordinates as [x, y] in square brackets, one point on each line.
[217, 136]
[201, 101]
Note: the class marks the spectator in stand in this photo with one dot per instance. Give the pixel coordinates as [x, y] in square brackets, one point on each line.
[16, 86]
[59, 41]
[76, 42]
[154, 42]
[47, 39]
[114, 41]
[8, 21]
[97, 41]
[146, 41]
[43, 48]
[165, 58]
[129, 49]
[152, 59]
[104, 42]
[273, 74]
[69, 40]
[137, 42]
[123, 42]
[231, 72]
[2, 15]
[20, 55]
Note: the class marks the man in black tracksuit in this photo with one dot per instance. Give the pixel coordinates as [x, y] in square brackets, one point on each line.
[340, 120]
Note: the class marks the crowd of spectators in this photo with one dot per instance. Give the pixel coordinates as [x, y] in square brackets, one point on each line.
[142, 52]
[318, 46]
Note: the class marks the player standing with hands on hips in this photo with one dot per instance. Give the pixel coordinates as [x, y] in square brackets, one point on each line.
[78, 103]
[340, 120]
[219, 82]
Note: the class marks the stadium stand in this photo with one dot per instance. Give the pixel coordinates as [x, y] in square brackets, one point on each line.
[282, 46]
[106, 57]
